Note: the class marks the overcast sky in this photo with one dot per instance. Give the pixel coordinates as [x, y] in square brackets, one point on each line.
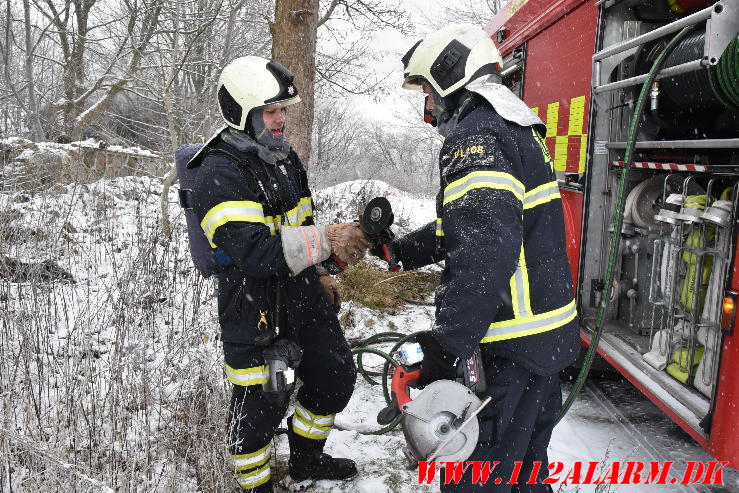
[389, 45]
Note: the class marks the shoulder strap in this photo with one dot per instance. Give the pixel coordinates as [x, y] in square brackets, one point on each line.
[243, 161]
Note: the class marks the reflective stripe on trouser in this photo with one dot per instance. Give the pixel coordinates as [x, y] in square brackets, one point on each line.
[252, 470]
[311, 425]
[439, 228]
[246, 376]
[534, 324]
[252, 479]
[244, 462]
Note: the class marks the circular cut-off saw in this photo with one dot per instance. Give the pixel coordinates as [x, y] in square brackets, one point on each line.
[440, 424]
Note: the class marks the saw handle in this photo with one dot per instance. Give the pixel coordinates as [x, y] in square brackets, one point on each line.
[402, 378]
[334, 265]
[392, 262]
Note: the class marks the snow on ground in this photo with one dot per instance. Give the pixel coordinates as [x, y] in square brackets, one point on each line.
[117, 381]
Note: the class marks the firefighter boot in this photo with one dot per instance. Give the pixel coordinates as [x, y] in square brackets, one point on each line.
[308, 463]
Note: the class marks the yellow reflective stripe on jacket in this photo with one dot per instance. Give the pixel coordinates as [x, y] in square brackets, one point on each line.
[534, 324]
[273, 224]
[439, 229]
[520, 292]
[246, 376]
[242, 462]
[253, 479]
[311, 425]
[483, 179]
[238, 210]
[297, 215]
[541, 195]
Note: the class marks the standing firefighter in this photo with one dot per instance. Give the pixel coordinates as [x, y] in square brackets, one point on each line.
[506, 283]
[252, 201]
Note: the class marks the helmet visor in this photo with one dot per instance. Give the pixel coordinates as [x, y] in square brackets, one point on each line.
[287, 90]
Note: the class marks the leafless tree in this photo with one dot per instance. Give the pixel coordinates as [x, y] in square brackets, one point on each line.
[470, 11]
[294, 44]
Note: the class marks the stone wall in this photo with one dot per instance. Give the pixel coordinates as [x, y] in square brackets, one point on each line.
[26, 165]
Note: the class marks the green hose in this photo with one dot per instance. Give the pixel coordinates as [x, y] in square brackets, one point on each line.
[724, 77]
[728, 72]
[618, 222]
[363, 348]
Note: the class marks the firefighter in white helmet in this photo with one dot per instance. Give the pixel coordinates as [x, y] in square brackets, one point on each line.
[506, 284]
[252, 199]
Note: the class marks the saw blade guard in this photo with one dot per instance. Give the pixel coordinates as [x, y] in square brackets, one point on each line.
[437, 414]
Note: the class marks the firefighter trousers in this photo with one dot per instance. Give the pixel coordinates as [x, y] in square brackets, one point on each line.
[327, 373]
[516, 426]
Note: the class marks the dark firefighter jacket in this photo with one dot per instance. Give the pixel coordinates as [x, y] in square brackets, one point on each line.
[241, 207]
[500, 230]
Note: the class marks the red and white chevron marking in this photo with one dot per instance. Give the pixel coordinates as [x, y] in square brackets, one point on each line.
[667, 166]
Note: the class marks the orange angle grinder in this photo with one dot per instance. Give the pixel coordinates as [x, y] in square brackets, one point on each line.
[440, 423]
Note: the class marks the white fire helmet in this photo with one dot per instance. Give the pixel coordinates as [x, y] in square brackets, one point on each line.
[253, 82]
[450, 58]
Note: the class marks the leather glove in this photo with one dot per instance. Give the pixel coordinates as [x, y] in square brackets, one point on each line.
[331, 289]
[348, 241]
[437, 363]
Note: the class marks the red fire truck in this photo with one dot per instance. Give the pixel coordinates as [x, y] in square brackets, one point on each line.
[580, 65]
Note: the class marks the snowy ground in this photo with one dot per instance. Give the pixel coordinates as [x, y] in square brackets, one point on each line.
[116, 382]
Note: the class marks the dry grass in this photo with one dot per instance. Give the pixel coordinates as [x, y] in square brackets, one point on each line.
[378, 290]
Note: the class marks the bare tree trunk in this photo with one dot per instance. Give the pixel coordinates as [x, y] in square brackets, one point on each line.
[149, 24]
[37, 132]
[294, 46]
[235, 7]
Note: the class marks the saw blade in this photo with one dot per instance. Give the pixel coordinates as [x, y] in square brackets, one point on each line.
[442, 419]
[377, 216]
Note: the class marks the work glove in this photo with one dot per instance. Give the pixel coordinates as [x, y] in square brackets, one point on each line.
[331, 289]
[304, 246]
[437, 363]
[348, 241]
